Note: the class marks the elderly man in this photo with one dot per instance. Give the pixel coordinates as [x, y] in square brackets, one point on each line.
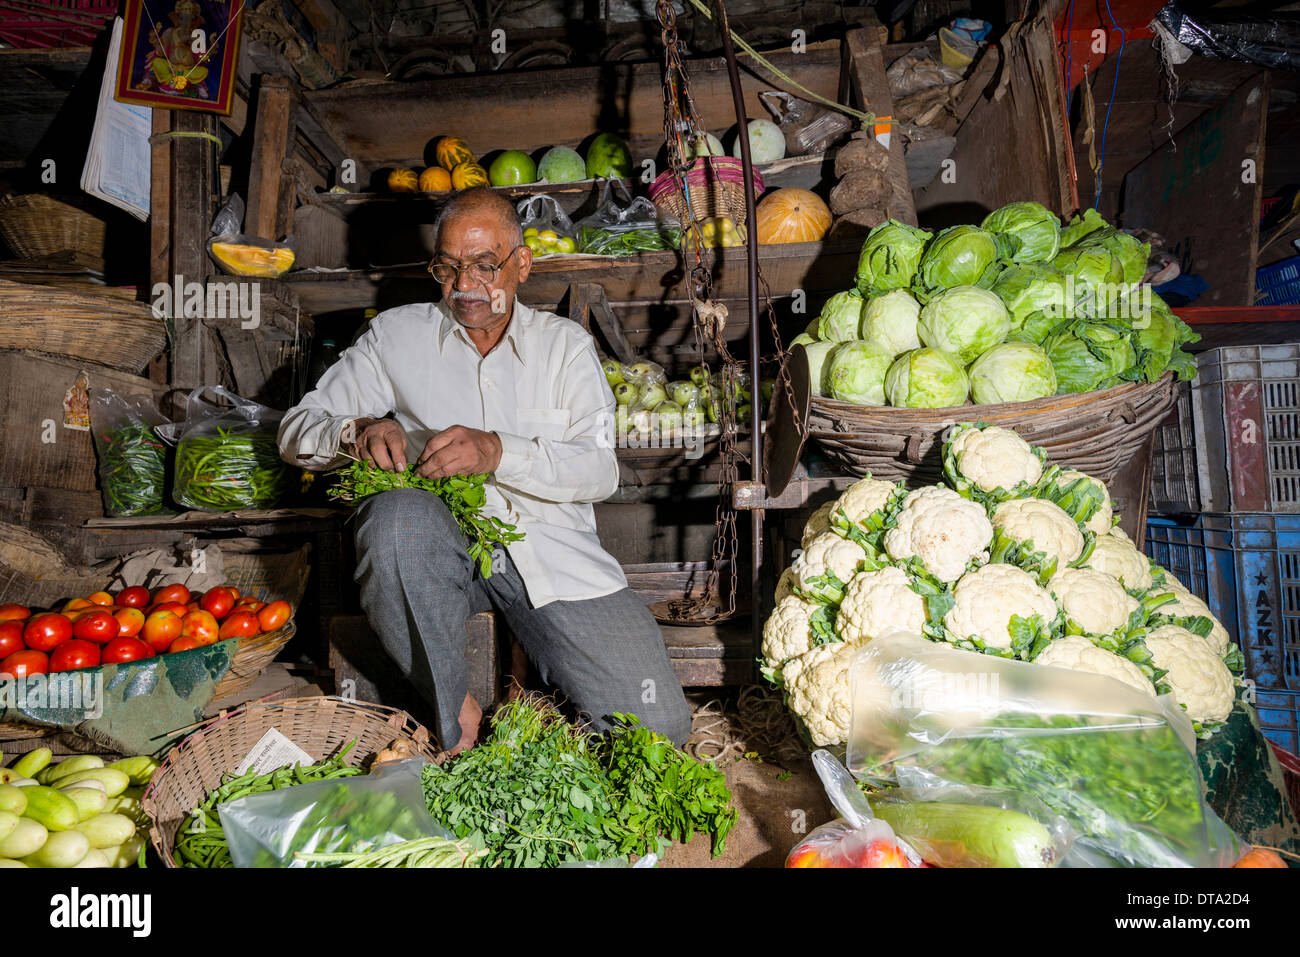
[481, 383]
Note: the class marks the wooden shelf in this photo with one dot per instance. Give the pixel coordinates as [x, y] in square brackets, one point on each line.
[1241, 325]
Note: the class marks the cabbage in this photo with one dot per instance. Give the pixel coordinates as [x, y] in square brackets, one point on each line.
[1089, 355]
[856, 373]
[889, 323]
[818, 353]
[889, 257]
[926, 379]
[841, 317]
[1131, 254]
[964, 321]
[959, 256]
[803, 339]
[1031, 290]
[1092, 274]
[1078, 227]
[1156, 340]
[1031, 228]
[1012, 372]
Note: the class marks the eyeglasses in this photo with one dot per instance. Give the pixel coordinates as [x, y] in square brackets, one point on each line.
[482, 273]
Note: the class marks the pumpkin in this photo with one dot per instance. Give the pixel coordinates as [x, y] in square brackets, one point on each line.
[403, 180]
[791, 215]
[435, 179]
[1260, 857]
[468, 174]
[452, 151]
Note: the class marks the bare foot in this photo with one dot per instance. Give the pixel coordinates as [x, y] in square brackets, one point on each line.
[471, 715]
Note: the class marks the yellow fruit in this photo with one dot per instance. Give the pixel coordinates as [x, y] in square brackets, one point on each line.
[403, 180]
[452, 151]
[435, 179]
[549, 235]
[468, 174]
[566, 245]
[530, 232]
[240, 260]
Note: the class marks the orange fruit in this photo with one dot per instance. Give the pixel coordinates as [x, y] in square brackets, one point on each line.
[468, 174]
[452, 151]
[403, 180]
[435, 179]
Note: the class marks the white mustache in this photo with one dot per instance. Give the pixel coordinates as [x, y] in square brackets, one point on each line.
[470, 296]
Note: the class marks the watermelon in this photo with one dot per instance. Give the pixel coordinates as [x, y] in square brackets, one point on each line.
[608, 157]
[512, 168]
[561, 165]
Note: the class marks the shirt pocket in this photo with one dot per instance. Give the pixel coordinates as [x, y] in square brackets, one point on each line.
[544, 423]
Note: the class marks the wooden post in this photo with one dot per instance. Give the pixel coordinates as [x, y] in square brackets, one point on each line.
[271, 193]
[865, 67]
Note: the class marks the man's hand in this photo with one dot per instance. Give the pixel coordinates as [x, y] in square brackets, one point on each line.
[459, 451]
[381, 441]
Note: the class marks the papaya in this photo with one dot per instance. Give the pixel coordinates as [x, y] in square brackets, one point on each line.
[240, 259]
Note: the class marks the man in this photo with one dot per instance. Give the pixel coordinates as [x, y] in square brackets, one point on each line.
[481, 383]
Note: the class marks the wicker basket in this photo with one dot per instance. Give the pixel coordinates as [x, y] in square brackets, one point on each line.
[1094, 432]
[39, 225]
[321, 726]
[716, 185]
[74, 320]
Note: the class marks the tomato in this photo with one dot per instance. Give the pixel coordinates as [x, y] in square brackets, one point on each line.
[129, 622]
[23, 663]
[100, 598]
[201, 626]
[177, 593]
[233, 590]
[74, 654]
[239, 624]
[183, 644]
[11, 638]
[46, 631]
[96, 626]
[10, 611]
[125, 649]
[77, 604]
[274, 615]
[160, 629]
[218, 601]
[175, 607]
[137, 596]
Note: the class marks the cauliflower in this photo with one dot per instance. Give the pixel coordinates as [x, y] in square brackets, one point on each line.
[827, 553]
[1100, 522]
[1117, 532]
[1187, 605]
[1093, 600]
[1045, 524]
[941, 528]
[819, 523]
[1199, 681]
[1077, 653]
[986, 598]
[820, 692]
[785, 585]
[991, 458]
[862, 498]
[878, 602]
[787, 633]
[1118, 558]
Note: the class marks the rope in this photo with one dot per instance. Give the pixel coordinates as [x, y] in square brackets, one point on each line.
[157, 138]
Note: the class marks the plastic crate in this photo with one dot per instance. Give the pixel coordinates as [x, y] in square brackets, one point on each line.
[1278, 284]
[1200, 555]
[1175, 483]
[1277, 719]
[55, 23]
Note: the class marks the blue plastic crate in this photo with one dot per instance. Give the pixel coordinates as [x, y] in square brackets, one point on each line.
[1278, 284]
[1277, 717]
[1200, 556]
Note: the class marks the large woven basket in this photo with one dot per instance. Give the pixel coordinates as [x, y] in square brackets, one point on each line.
[39, 225]
[321, 726]
[77, 320]
[1094, 432]
[716, 187]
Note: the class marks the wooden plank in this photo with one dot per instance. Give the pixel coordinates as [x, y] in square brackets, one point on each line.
[865, 66]
[267, 217]
[160, 223]
[1168, 193]
[608, 323]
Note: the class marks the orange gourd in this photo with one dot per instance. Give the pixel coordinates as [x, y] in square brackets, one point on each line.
[792, 215]
[435, 179]
[452, 151]
[1260, 857]
[403, 180]
[468, 174]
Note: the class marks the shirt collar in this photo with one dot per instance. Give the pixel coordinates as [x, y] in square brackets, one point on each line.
[519, 320]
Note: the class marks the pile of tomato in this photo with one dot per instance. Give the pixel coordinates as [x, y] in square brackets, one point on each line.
[133, 624]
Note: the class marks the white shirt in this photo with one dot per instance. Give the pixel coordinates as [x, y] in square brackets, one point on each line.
[541, 390]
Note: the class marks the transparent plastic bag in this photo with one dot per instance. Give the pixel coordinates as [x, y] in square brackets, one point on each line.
[240, 255]
[625, 229]
[1118, 765]
[132, 459]
[917, 70]
[808, 128]
[227, 453]
[344, 816]
[548, 231]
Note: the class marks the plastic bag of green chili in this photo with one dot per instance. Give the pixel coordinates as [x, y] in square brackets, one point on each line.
[227, 456]
[133, 460]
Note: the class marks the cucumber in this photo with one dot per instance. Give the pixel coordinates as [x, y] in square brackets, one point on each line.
[128, 806]
[969, 835]
[78, 762]
[9, 776]
[33, 762]
[12, 799]
[24, 839]
[8, 821]
[95, 783]
[107, 830]
[139, 769]
[64, 849]
[94, 858]
[88, 800]
[127, 854]
[23, 782]
[6, 862]
[51, 808]
[114, 781]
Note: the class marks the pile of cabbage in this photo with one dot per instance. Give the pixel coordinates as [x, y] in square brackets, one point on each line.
[1010, 556]
[1014, 309]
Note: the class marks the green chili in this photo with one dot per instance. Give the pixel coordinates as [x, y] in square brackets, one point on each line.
[231, 470]
[132, 470]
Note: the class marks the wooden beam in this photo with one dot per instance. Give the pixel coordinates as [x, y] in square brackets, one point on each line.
[866, 71]
[270, 192]
[160, 223]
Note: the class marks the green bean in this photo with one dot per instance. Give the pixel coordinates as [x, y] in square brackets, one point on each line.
[231, 470]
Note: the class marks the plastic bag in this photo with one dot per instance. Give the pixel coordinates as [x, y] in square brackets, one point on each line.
[345, 816]
[1268, 41]
[624, 230]
[808, 128]
[132, 459]
[241, 255]
[548, 231]
[1118, 765]
[917, 70]
[227, 453]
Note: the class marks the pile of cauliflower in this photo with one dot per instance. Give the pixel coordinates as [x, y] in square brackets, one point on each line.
[1011, 557]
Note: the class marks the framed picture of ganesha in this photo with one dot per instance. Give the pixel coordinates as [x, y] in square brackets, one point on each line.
[180, 54]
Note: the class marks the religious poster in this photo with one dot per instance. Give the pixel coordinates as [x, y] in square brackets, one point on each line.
[180, 54]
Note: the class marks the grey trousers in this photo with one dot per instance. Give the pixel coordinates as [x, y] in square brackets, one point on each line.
[419, 586]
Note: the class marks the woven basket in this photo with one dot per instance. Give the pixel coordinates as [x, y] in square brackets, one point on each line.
[321, 726]
[39, 225]
[1094, 432]
[75, 321]
[717, 188]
